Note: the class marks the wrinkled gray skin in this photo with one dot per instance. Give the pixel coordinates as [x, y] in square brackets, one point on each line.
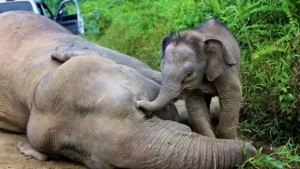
[199, 64]
[84, 109]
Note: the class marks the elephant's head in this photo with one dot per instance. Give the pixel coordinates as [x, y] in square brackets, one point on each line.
[190, 56]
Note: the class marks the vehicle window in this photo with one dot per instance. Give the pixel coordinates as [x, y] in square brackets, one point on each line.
[67, 8]
[13, 6]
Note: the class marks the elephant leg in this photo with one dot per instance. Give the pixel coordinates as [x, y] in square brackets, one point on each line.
[25, 147]
[229, 118]
[230, 98]
[198, 112]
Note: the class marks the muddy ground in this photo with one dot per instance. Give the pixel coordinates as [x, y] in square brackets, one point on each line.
[11, 158]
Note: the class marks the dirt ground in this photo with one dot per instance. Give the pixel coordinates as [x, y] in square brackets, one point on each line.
[11, 158]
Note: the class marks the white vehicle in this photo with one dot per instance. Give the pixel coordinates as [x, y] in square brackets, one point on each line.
[70, 19]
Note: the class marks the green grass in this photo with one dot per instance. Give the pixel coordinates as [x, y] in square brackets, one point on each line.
[284, 157]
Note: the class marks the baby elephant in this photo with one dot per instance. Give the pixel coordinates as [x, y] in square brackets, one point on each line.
[201, 63]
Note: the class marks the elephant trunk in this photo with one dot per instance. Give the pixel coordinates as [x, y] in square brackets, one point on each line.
[170, 89]
[170, 145]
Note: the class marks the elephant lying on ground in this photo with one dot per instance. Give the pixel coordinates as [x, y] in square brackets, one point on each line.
[84, 109]
[201, 63]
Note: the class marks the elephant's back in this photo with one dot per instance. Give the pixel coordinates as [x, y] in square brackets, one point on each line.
[26, 39]
[21, 25]
[22, 34]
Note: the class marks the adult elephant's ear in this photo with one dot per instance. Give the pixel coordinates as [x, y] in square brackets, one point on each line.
[219, 58]
[164, 43]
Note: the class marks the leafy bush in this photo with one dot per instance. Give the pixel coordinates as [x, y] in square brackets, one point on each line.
[137, 27]
[269, 36]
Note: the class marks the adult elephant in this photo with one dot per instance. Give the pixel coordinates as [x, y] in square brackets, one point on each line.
[202, 63]
[84, 109]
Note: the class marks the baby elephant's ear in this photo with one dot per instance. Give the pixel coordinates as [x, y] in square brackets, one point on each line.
[164, 43]
[219, 58]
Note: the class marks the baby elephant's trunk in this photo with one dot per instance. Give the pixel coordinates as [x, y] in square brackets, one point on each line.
[170, 145]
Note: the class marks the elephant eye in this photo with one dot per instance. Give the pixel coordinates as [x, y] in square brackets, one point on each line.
[189, 74]
[187, 77]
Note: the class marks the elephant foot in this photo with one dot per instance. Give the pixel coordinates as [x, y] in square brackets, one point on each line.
[25, 148]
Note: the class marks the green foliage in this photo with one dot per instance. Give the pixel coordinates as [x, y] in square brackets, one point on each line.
[97, 16]
[283, 157]
[269, 75]
[52, 4]
[137, 27]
